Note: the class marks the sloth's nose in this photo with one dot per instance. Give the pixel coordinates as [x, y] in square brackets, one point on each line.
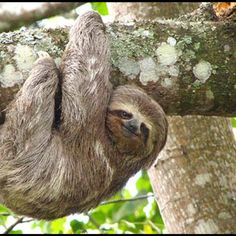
[132, 126]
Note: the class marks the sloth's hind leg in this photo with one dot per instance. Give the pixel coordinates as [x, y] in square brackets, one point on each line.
[30, 117]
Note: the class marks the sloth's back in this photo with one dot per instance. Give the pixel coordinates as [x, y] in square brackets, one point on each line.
[46, 183]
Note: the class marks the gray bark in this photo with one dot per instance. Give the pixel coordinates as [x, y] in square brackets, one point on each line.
[194, 178]
[188, 67]
[10, 19]
[154, 10]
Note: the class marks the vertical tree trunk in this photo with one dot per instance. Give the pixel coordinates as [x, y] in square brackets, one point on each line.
[195, 176]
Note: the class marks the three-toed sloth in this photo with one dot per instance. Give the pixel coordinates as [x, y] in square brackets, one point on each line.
[51, 168]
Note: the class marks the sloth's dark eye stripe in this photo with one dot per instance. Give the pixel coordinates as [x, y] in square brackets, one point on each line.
[145, 132]
[122, 114]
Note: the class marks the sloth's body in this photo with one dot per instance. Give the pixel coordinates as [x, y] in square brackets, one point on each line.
[48, 172]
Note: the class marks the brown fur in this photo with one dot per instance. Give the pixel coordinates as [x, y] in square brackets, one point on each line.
[48, 172]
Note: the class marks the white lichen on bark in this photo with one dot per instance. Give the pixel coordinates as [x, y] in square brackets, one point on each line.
[167, 54]
[148, 71]
[202, 71]
[24, 57]
[10, 77]
[206, 227]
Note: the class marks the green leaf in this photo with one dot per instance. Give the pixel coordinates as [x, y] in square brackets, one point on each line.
[4, 209]
[76, 226]
[147, 229]
[16, 232]
[99, 217]
[127, 209]
[233, 122]
[143, 184]
[100, 7]
[58, 225]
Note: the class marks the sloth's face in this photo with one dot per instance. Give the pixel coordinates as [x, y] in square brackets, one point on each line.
[130, 130]
[136, 124]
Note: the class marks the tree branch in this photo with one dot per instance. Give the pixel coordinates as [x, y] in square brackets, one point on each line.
[188, 67]
[127, 199]
[11, 20]
[11, 227]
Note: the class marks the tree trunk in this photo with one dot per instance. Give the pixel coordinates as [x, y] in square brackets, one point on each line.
[194, 177]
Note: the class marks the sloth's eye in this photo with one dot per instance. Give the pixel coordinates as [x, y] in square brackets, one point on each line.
[122, 114]
[125, 115]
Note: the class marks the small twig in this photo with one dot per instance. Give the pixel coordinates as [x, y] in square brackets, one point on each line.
[11, 227]
[154, 226]
[5, 214]
[127, 199]
[26, 221]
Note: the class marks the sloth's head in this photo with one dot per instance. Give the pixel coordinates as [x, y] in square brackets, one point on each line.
[136, 123]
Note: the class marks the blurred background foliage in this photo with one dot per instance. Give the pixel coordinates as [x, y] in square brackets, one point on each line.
[132, 215]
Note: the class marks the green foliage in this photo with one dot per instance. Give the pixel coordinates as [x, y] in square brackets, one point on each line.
[16, 232]
[100, 7]
[76, 226]
[233, 121]
[137, 216]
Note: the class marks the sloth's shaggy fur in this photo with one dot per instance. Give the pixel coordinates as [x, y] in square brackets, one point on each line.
[49, 171]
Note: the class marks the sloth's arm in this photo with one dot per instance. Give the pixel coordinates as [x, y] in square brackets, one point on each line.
[85, 71]
[29, 118]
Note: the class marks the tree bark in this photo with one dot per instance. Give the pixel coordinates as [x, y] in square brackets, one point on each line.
[184, 66]
[154, 10]
[12, 19]
[194, 177]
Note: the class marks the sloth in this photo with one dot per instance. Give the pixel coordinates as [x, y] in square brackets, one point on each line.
[65, 156]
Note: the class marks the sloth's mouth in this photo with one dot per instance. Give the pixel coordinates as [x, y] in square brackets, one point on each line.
[129, 130]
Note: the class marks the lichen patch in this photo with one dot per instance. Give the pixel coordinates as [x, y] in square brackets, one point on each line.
[224, 216]
[226, 48]
[24, 57]
[171, 41]
[167, 54]
[202, 179]
[191, 209]
[167, 83]
[9, 77]
[206, 227]
[148, 71]
[210, 95]
[173, 70]
[202, 71]
[129, 67]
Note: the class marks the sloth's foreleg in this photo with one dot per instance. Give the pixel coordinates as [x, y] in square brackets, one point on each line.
[30, 117]
[85, 72]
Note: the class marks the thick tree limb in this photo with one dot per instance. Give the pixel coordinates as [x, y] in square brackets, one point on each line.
[11, 20]
[125, 11]
[188, 67]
